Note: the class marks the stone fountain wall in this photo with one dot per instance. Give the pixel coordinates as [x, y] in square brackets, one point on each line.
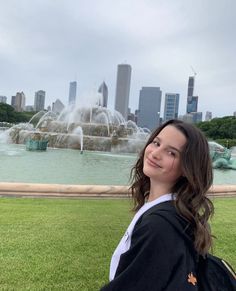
[82, 136]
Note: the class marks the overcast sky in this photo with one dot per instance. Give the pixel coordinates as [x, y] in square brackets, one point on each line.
[45, 44]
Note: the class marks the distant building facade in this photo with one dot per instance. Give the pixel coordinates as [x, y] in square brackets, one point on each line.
[197, 117]
[123, 89]
[57, 106]
[29, 108]
[3, 99]
[191, 82]
[193, 117]
[18, 101]
[39, 100]
[148, 115]
[72, 92]
[208, 116]
[171, 108]
[192, 102]
[104, 92]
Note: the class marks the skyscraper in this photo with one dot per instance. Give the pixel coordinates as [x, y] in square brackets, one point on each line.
[208, 116]
[3, 99]
[191, 82]
[171, 106]
[104, 92]
[192, 101]
[39, 100]
[57, 106]
[123, 89]
[72, 92]
[18, 101]
[149, 107]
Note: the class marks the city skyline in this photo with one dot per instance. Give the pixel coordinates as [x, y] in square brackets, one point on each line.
[44, 45]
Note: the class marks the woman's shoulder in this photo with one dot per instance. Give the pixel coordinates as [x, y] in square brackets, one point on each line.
[158, 212]
[164, 217]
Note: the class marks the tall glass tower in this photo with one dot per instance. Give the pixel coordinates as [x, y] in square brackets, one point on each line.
[104, 92]
[171, 106]
[149, 107]
[123, 89]
[39, 100]
[192, 101]
[72, 92]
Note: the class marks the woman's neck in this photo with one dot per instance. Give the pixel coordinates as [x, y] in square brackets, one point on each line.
[157, 191]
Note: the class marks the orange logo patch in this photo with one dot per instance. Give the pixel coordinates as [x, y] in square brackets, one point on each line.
[192, 279]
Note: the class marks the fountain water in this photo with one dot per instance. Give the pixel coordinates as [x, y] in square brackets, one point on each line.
[89, 128]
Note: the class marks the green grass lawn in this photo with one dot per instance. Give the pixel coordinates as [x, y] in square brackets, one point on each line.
[66, 244]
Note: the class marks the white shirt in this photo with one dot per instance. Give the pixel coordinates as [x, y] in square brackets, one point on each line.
[125, 242]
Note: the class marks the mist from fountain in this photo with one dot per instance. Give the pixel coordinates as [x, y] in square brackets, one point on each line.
[89, 127]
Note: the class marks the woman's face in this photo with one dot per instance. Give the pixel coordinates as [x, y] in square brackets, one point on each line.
[162, 162]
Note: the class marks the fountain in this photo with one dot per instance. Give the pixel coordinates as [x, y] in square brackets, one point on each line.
[92, 128]
[221, 156]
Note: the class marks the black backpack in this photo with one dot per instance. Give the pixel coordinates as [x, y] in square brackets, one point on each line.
[215, 274]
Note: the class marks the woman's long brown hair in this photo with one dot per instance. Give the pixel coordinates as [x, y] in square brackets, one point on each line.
[190, 189]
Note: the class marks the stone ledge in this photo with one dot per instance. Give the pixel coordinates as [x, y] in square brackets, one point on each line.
[96, 191]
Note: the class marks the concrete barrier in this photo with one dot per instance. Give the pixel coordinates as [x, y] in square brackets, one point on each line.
[105, 191]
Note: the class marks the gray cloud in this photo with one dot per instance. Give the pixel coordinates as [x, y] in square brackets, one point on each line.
[44, 44]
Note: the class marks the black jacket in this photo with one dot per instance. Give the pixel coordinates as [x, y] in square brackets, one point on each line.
[159, 257]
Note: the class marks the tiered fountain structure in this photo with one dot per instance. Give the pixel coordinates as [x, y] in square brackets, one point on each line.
[221, 156]
[95, 128]
[91, 128]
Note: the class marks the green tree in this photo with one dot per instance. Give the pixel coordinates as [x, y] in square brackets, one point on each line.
[8, 114]
[219, 128]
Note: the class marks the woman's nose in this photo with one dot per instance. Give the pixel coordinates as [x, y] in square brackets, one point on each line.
[156, 153]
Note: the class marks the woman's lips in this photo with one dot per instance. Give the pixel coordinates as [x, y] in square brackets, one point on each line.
[153, 164]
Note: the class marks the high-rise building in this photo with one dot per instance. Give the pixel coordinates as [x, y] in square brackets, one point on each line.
[123, 89]
[192, 104]
[148, 115]
[104, 92]
[3, 99]
[72, 92]
[57, 106]
[13, 101]
[18, 101]
[192, 101]
[208, 116]
[192, 117]
[39, 100]
[191, 82]
[29, 108]
[171, 108]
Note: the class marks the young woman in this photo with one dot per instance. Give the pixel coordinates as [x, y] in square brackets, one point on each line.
[160, 248]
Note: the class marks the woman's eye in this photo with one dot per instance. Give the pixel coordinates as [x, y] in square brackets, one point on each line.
[171, 153]
[155, 142]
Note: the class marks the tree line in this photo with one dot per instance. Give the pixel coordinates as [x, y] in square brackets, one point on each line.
[221, 130]
[8, 114]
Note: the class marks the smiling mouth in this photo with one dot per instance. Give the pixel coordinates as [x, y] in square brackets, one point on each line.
[151, 163]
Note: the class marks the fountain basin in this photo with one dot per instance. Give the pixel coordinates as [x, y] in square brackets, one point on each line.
[102, 191]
